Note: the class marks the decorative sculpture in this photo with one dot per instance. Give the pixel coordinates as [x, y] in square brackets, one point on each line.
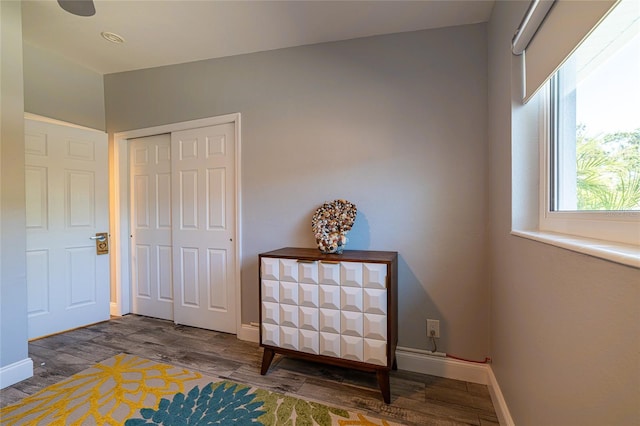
[330, 225]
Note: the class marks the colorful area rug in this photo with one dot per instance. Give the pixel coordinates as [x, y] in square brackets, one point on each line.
[131, 391]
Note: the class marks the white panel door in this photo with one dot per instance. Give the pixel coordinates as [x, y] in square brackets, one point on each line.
[203, 232]
[67, 203]
[151, 251]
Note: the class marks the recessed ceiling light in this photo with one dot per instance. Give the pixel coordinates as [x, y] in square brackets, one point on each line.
[112, 37]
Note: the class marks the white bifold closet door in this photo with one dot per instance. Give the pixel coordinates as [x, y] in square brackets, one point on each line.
[151, 272]
[204, 194]
[183, 227]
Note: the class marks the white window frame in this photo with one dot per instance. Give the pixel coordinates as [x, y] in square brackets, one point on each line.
[610, 226]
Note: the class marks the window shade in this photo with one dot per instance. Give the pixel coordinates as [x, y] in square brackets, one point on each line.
[565, 26]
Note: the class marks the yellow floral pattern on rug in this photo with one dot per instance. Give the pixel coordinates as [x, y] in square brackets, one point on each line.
[129, 390]
[105, 394]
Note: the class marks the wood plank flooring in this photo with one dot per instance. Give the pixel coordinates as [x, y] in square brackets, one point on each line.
[416, 399]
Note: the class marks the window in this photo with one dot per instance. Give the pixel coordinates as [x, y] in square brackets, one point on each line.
[591, 155]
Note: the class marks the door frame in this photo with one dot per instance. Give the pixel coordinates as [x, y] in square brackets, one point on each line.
[119, 213]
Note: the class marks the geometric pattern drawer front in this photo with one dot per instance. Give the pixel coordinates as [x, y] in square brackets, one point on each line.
[351, 274]
[330, 344]
[374, 275]
[352, 348]
[308, 294]
[351, 324]
[375, 352]
[337, 309]
[289, 338]
[309, 319]
[270, 291]
[270, 313]
[270, 269]
[329, 296]
[288, 293]
[289, 316]
[375, 301]
[351, 299]
[309, 341]
[308, 272]
[271, 334]
[289, 270]
[329, 273]
[329, 321]
[375, 327]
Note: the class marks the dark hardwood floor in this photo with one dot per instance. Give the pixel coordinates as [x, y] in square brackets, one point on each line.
[415, 398]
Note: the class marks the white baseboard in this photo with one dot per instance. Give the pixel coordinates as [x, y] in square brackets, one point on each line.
[249, 333]
[16, 372]
[502, 411]
[420, 361]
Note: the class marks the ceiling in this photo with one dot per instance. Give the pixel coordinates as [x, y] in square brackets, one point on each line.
[160, 33]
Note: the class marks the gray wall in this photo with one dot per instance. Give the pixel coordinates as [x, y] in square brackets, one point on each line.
[13, 289]
[56, 88]
[396, 124]
[565, 327]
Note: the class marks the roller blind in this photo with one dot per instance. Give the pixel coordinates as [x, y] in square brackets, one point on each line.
[566, 25]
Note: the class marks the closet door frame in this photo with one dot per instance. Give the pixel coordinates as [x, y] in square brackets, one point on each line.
[119, 214]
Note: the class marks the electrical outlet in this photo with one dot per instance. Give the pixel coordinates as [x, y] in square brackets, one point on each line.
[433, 328]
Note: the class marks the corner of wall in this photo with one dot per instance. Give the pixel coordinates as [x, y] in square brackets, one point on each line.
[499, 403]
[15, 364]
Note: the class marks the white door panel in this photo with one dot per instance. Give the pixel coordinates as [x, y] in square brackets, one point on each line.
[203, 183]
[151, 263]
[66, 177]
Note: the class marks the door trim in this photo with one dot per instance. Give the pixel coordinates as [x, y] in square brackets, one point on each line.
[119, 210]
[43, 119]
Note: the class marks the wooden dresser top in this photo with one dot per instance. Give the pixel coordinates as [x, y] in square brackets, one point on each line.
[347, 255]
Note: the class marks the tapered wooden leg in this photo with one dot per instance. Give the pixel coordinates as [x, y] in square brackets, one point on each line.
[385, 387]
[267, 357]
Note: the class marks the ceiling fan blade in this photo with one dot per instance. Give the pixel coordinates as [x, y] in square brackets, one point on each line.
[78, 7]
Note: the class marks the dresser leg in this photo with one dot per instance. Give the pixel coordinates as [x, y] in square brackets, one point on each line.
[267, 357]
[383, 382]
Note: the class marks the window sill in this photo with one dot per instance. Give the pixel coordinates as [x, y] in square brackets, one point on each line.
[625, 254]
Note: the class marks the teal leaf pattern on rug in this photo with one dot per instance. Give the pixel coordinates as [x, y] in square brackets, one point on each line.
[226, 404]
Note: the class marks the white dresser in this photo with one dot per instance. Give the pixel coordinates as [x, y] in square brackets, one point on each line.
[335, 308]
